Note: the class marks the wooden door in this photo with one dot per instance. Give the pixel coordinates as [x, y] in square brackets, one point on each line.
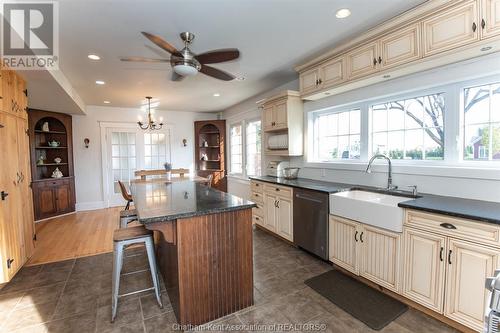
[63, 198]
[343, 241]
[10, 226]
[451, 28]
[380, 253]
[362, 61]
[26, 206]
[268, 116]
[424, 268]
[2, 75]
[7, 87]
[279, 115]
[309, 81]
[284, 214]
[332, 72]
[469, 265]
[400, 47]
[270, 212]
[490, 20]
[46, 201]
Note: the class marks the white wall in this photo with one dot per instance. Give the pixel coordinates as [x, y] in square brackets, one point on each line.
[466, 183]
[248, 110]
[88, 163]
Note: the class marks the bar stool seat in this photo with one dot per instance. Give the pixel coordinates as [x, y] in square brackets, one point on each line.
[127, 216]
[121, 239]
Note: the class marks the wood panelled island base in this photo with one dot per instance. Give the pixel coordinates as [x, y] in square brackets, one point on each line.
[204, 242]
[207, 264]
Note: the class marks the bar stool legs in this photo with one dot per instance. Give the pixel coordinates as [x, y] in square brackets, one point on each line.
[122, 238]
[154, 272]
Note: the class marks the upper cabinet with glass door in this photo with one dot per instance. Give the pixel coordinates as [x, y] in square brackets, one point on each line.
[428, 36]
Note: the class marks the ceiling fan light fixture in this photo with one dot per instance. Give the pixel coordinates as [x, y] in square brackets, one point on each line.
[185, 70]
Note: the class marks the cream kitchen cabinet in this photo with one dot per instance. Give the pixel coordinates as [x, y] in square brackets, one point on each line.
[309, 81]
[362, 61]
[446, 263]
[424, 268]
[279, 212]
[283, 115]
[490, 21]
[274, 210]
[370, 252]
[469, 265]
[451, 28]
[400, 47]
[343, 239]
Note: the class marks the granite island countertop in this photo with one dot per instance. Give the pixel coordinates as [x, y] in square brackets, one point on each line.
[160, 202]
[476, 210]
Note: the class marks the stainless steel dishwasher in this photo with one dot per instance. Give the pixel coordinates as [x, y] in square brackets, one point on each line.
[310, 221]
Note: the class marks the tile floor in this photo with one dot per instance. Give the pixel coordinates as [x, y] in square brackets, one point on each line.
[74, 296]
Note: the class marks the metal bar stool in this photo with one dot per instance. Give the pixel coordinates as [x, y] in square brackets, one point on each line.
[121, 239]
[127, 216]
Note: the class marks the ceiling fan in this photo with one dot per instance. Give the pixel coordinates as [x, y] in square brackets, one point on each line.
[186, 63]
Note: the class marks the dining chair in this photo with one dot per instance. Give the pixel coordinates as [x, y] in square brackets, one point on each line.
[127, 196]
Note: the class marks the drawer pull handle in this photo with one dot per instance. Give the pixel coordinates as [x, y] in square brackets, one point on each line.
[277, 189]
[448, 226]
[356, 236]
[257, 218]
[449, 257]
[441, 253]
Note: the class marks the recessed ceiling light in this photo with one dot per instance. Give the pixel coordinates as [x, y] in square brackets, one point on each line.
[240, 78]
[94, 57]
[343, 13]
[99, 82]
[216, 95]
[107, 102]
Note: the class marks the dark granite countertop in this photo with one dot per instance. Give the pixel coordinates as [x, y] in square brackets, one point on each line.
[160, 202]
[485, 211]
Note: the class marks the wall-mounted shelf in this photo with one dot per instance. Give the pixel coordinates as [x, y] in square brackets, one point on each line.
[51, 147]
[50, 132]
[50, 164]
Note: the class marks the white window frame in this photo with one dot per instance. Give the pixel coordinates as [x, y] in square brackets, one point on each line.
[243, 123]
[315, 130]
[451, 166]
[245, 152]
[242, 133]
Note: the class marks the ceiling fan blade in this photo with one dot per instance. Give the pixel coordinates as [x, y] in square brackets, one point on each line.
[141, 59]
[216, 56]
[177, 77]
[216, 73]
[161, 43]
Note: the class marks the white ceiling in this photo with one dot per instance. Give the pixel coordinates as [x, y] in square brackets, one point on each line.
[272, 36]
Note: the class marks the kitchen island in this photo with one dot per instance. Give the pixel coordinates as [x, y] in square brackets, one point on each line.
[204, 247]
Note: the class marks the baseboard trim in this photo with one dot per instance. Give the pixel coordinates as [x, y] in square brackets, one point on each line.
[93, 205]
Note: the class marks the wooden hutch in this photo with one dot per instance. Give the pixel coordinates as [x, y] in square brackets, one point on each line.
[210, 151]
[51, 196]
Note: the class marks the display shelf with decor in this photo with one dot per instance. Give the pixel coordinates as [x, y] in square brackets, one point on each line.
[51, 163]
[210, 151]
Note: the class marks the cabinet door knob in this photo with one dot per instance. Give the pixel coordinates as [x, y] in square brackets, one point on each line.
[4, 195]
[320, 81]
[483, 23]
[356, 236]
[379, 60]
[449, 257]
[374, 62]
[278, 204]
[441, 253]
[474, 27]
[361, 237]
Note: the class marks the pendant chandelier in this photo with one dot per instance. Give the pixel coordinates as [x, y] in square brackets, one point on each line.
[151, 124]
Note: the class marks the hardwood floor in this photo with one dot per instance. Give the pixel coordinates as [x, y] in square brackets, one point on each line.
[75, 235]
